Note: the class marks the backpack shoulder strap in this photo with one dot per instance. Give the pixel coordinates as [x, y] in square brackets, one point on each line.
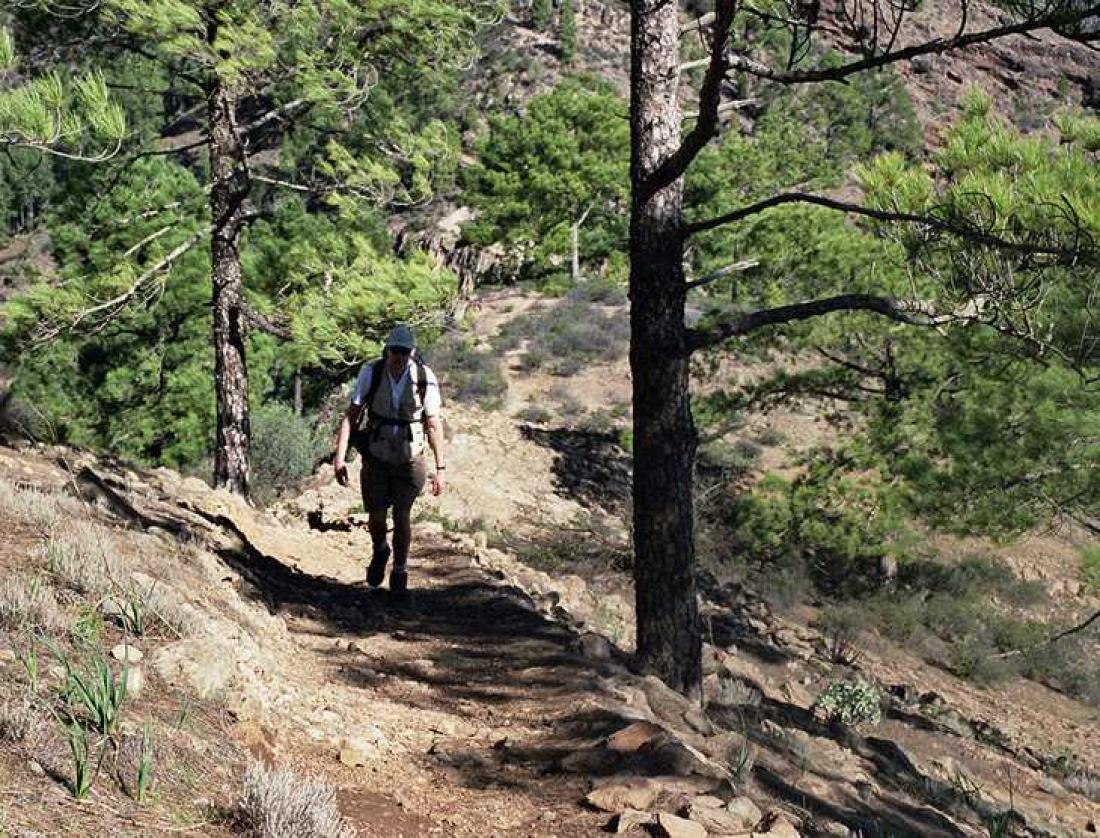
[375, 383]
[421, 381]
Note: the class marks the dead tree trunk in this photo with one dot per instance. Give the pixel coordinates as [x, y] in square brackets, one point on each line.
[227, 195]
[668, 637]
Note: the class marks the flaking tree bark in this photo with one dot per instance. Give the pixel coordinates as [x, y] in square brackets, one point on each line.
[664, 434]
[229, 189]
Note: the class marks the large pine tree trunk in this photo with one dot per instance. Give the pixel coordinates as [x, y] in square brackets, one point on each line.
[227, 194]
[669, 642]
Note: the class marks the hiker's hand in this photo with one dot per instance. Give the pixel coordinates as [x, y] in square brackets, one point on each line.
[437, 483]
[342, 474]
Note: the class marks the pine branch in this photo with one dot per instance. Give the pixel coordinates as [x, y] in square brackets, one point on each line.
[114, 305]
[909, 312]
[1051, 640]
[1071, 256]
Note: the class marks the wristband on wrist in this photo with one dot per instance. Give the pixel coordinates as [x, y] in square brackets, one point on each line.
[440, 468]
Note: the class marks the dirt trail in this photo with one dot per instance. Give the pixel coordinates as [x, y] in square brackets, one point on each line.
[462, 700]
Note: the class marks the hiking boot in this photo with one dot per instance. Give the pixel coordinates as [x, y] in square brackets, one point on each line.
[399, 582]
[376, 570]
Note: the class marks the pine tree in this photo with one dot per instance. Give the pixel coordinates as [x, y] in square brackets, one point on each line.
[976, 232]
[568, 25]
[321, 79]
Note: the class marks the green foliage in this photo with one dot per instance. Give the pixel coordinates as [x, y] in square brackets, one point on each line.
[985, 428]
[569, 333]
[57, 114]
[285, 448]
[1090, 568]
[853, 703]
[28, 659]
[541, 13]
[93, 691]
[470, 373]
[141, 385]
[337, 277]
[568, 24]
[133, 610]
[114, 351]
[540, 172]
[146, 764]
[80, 751]
[829, 527]
[1079, 127]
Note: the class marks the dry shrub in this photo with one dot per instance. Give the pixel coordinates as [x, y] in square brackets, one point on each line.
[1084, 784]
[277, 803]
[39, 508]
[82, 559]
[28, 603]
[18, 718]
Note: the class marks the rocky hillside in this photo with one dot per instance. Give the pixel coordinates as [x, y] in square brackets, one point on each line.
[499, 701]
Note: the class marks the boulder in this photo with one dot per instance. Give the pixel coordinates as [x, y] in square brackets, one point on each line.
[672, 826]
[630, 738]
[135, 681]
[358, 751]
[720, 821]
[629, 820]
[745, 811]
[127, 654]
[633, 793]
[668, 755]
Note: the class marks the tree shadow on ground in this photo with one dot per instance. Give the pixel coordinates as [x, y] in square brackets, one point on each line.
[590, 468]
[493, 649]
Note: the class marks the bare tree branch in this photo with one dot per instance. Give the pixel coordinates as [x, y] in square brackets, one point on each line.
[1051, 640]
[726, 107]
[699, 23]
[47, 147]
[743, 265]
[1053, 20]
[112, 306]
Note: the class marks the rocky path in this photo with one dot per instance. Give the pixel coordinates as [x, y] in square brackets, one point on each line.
[481, 707]
[450, 712]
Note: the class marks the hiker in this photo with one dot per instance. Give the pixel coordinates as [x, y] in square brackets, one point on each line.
[393, 411]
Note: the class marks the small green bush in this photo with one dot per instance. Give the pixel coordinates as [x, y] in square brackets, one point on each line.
[535, 414]
[1090, 568]
[974, 659]
[842, 626]
[285, 448]
[853, 703]
[468, 374]
[94, 692]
